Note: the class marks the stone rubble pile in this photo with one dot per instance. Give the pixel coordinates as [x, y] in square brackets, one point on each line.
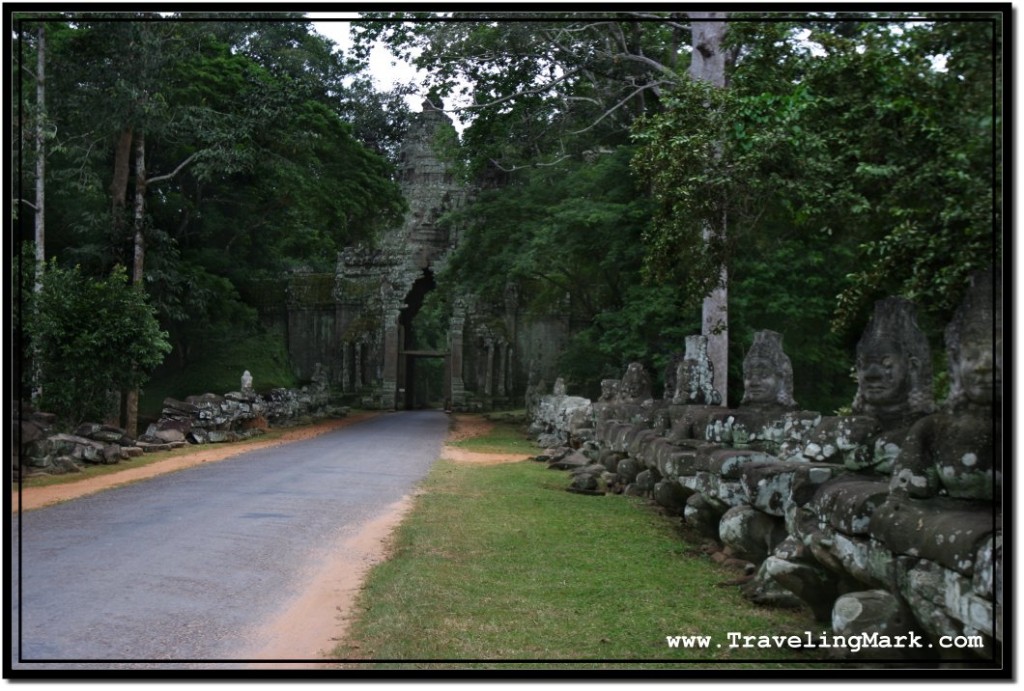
[208, 418]
[888, 520]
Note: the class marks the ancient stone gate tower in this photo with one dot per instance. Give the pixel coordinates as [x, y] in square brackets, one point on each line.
[358, 323]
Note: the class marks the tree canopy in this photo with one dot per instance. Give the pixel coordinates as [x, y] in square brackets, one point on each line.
[207, 153]
[849, 156]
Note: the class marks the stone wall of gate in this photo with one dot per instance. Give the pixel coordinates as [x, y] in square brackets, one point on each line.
[351, 321]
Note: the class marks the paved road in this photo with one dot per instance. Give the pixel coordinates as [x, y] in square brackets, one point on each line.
[181, 566]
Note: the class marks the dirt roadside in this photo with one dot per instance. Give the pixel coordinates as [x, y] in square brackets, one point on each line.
[38, 497]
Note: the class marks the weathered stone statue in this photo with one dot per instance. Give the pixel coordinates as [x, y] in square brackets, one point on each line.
[955, 451]
[694, 381]
[247, 383]
[767, 373]
[636, 384]
[609, 390]
[767, 398]
[694, 392]
[894, 390]
[894, 372]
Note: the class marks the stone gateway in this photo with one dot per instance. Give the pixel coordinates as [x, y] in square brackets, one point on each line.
[360, 322]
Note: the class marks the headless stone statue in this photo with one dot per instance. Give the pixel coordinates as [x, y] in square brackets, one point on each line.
[695, 375]
[694, 391]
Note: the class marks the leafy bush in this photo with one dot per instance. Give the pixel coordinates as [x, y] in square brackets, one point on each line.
[91, 336]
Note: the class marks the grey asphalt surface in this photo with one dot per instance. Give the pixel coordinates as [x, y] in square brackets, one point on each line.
[172, 572]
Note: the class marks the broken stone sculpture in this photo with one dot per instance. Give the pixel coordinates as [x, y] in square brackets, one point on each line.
[695, 375]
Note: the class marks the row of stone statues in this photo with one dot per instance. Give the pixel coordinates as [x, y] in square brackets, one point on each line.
[893, 512]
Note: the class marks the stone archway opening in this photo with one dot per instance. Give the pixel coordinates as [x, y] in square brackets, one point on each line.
[424, 367]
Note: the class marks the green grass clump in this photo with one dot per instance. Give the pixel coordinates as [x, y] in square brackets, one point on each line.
[504, 437]
[500, 565]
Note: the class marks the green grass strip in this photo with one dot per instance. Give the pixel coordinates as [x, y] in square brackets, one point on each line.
[499, 564]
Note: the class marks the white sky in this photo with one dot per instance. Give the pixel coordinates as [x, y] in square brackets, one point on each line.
[385, 68]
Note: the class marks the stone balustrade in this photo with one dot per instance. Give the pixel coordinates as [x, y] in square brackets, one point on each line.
[888, 520]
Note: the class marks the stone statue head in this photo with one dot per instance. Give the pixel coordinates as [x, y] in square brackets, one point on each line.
[695, 375]
[559, 389]
[636, 383]
[974, 344]
[767, 372]
[609, 389]
[894, 372]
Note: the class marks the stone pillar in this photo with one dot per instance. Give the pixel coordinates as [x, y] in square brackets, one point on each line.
[458, 385]
[447, 382]
[389, 383]
[346, 367]
[502, 369]
[358, 353]
[489, 375]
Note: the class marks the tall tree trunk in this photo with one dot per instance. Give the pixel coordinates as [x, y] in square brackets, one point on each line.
[139, 239]
[708, 63]
[40, 215]
[131, 397]
[40, 218]
[119, 184]
[118, 202]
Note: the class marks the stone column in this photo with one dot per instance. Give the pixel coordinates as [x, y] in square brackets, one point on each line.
[502, 369]
[346, 367]
[389, 384]
[458, 385]
[357, 365]
[489, 376]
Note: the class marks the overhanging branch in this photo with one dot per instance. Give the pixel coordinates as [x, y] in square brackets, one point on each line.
[164, 178]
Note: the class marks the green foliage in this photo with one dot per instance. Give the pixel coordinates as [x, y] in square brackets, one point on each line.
[91, 337]
[529, 83]
[542, 231]
[863, 141]
[569, 237]
[277, 163]
[215, 365]
[784, 281]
